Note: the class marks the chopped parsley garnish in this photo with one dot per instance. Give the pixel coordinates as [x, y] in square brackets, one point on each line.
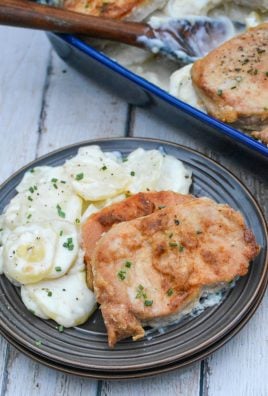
[58, 269]
[54, 180]
[170, 235]
[77, 221]
[32, 170]
[266, 73]
[124, 160]
[181, 248]
[38, 343]
[79, 176]
[170, 292]
[29, 216]
[148, 303]
[55, 185]
[173, 244]
[128, 264]
[69, 244]
[122, 275]
[140, 292]
[103, 168]
[132, 173]
[30, 198]
[49, 293]
[1, 229]
[61, 329]
[31, 189]
[219, 92]
[161, 207]
[60, 212]
[61, 232]
[63, 181]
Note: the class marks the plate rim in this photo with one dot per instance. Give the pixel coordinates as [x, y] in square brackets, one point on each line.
[263, 280]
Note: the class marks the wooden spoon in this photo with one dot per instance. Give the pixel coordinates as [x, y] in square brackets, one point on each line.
[184, 40]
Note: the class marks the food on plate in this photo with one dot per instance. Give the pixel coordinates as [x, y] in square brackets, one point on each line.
[154, 266]
[232, 80]
[138, 205]
[40, 229]
[137, 9]
[261, 135]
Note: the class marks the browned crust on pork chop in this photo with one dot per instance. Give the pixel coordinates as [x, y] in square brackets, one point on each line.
[141, 204]
[232, 80]
[153, 266]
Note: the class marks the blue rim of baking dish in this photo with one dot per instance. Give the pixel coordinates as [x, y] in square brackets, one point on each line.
[197, 114]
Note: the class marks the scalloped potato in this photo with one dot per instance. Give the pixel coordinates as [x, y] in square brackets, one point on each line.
[40, 229]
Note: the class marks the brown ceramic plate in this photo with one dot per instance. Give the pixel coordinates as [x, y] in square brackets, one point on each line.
[85, 347]
[101, 375]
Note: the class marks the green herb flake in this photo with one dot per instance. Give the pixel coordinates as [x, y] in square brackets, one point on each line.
[170, 235]
[198, 232]
[79, 176]
[49, 293]
[29, 216]
[30, 198]
[148, 303]
[60, 328]
[31, 170]
[104, 168]
[173, 244]
[128, 264]
[54, 180]
[132, 173]
[140, 292]
[38, 343]
[1, 229]
[219, 92]
[55, 185]
[181, 248]
[60, 212]
[69, 244]
[31, 189]
[161, 207]
[170, 292]
[122, 275]
[77, 221]
[63, 181]
[124, 160]
[61, 232]
[58, 269]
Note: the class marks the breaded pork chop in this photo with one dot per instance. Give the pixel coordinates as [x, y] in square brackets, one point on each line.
[141, 204]
[117, 9]
[152, 267]
[232, 80]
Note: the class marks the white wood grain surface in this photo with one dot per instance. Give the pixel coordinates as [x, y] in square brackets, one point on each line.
[44, 104]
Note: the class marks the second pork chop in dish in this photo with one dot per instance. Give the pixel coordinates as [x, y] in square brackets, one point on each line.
[232, 80]
[154, 266]
[141, 204]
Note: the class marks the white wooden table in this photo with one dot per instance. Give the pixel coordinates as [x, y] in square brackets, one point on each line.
[44, 105]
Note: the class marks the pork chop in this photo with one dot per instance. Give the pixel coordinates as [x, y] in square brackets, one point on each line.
[232, 80]
[153, 266]
[118, 9]
[138, 205]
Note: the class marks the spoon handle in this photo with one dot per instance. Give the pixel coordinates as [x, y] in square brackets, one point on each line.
[28, 14]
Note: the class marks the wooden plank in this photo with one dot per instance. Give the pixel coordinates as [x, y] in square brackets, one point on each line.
[77, 109]
[180, 382]
[184, 382]
[26, 377]
[24, 58]
[240, 367]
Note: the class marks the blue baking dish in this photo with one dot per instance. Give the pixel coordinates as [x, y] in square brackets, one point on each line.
[138, 91]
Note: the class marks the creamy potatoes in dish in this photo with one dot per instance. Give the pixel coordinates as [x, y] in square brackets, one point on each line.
[40, 229]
